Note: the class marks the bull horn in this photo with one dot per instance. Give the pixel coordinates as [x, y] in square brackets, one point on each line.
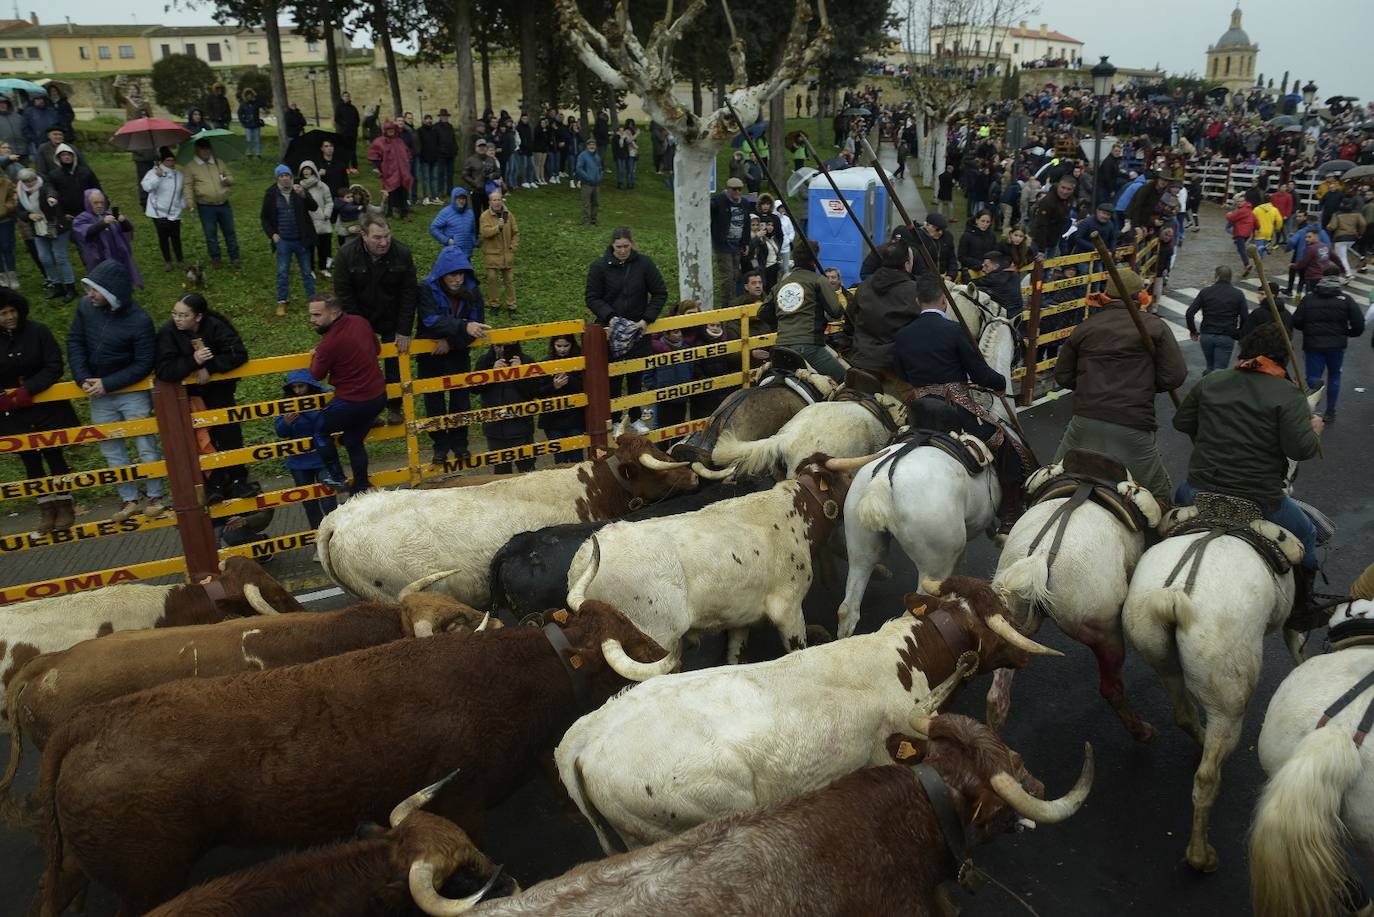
[1004, 629]
[920, 726]
[425, 582]
[436, 905]
[255, 599]
[850, 464]
[657, 464]
[578, 593]
[712, 474]
[632, 669]
[486, 619]
[419, 799]
[1046, 811]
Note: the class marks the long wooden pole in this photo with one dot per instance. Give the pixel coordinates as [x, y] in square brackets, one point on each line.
[1109, 262]
[1278, 320]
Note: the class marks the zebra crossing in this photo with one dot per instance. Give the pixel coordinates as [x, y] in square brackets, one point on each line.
[1173, 305]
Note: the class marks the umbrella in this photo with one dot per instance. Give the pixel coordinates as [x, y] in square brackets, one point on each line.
[307, 146]
[60, 84]
[9, 84]
[855, 112]
[225, 144]
[1358, 173]
[143, 135]
[1334, 99]
[1292, 129]
[1163, 100]
[1335, 166]
[1221, 92]
[800, 179]
[1282, 121]
[754, 130]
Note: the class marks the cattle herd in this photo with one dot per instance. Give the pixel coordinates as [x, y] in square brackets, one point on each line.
[367, 745]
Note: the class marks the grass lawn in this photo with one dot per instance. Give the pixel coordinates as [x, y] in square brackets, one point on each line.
[550, 271]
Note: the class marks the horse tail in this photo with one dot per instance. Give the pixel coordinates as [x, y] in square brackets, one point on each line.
[1171, 608]
[749, 456]
[875, 508]
[1297, 860]
[1026, 580]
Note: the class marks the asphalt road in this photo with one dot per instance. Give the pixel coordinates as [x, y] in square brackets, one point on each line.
[1122, 854]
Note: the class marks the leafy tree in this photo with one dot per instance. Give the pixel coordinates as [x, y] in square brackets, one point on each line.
[258, 81]
[180, 81]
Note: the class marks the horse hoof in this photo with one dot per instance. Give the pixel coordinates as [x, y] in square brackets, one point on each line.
[1206, 863]
[816, 634]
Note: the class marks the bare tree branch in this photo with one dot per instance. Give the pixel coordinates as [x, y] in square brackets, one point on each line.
[800, 55]
[665, 36]
[735, 50]
[581, 34]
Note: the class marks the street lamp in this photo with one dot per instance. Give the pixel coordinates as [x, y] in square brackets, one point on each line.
[1309, 93]
[314, 94]
[1102, 88]
[420, 91]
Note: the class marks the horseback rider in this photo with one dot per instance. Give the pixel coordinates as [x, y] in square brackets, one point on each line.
[935, 356]
[1114, 380]
[1246, 423]
[884, 304]
[800, 306]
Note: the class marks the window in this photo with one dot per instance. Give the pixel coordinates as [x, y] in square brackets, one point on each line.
[1214, 66]
[1228, 66]
[4, 53]
[252, 47]
[166, 50]
[33, 53]
[999, 49]
[126, 52]
[212, 51]
[18, 53]
[190, 49]
[312, 46]
[103, 52]
[84, 51]
[1016, 47]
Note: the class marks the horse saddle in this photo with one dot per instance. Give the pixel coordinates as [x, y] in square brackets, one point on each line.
[1352, 624]
[861, 380]
[804, 387]
[870, 402]
[787, 359]
[1222, 514]
[932, 413]
[965, 448]
[1109, 486]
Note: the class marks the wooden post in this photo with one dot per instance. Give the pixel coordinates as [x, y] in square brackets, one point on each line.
[1032, 334]
[596, 382]
[744, 349]
[185, 482]
[408, 411]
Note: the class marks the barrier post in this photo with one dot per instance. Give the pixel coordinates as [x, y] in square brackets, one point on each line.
[1032, 333]
[596, 382]
[744, 349]
[408, 411]
[185, 482]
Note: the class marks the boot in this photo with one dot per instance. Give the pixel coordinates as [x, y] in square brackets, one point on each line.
[70, 292]
[57, 291]
[48, 511]
[281, 308]
[1305, 615]
[64, 514]
[394, 414]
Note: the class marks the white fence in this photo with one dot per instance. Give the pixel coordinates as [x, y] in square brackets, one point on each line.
[1222, 181]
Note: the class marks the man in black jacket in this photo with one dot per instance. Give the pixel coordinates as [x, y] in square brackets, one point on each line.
[447, 151]
[374, 276]
[1223, 308]
[1002, 282]
[346, 121]
[427, 153]
[935, 239]
[1050, 215]
[1327, 318]
[70, 181]
[884, 304]
[286, 221]
[627, 285]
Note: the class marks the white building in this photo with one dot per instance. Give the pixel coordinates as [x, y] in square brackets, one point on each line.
[1018, 44]
[236, 46]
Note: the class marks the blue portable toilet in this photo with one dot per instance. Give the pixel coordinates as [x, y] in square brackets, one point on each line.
[828, 224]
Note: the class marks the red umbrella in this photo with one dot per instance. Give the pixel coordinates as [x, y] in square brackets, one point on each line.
[143, 135]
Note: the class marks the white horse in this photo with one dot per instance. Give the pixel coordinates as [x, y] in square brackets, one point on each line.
[931, 505]
[1320, 791]
[1206, 642]
[1083, 591]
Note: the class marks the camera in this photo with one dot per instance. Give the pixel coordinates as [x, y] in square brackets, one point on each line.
[114, 212]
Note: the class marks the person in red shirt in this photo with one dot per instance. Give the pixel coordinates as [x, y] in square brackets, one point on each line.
[347, 358]
[1242, 221]
[1282, 199]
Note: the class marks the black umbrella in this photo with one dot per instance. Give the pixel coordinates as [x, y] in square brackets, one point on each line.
[307, 146]
[1166, 100]
[1335, 166]
[1334, 99]
[1221, 92]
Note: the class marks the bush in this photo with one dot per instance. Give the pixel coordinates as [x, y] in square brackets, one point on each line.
[181, 81]
[261, 83]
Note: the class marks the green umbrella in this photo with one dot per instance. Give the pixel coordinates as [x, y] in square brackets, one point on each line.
[226, 145]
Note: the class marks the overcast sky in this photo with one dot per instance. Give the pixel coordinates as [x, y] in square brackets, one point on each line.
[1323, 41]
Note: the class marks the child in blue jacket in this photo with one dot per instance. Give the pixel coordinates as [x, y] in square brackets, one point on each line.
[309, 467]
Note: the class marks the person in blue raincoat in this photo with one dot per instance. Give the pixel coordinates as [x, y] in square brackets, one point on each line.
[306, 467]
[452, 314]
[456, 225]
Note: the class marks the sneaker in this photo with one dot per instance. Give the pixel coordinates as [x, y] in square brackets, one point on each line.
[334, 481]
[640, 427]
[154, 508]
[1329, 416]
[324, 272]
[130, 509]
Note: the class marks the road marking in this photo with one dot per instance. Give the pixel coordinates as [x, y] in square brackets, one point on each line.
[319, 595]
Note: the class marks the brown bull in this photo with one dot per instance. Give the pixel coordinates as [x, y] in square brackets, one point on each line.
[51, 688]
[870, 844]
[134, 791]
[389, 874]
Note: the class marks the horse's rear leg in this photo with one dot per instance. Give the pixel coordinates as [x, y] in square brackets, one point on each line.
[1110, 650]
[865, 549]
[1223, 732]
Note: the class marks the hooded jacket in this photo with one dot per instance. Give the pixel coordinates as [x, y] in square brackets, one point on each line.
[31, 359]
[217, 107]
[250, 110]
[166, 194]
[974, 245]
[632, 289]
[304, 424]
[113, 343]
[39, 119]
[1327, 317]
[445, 316]
[12, 127]
[456, 224]
[70, 183]
[100, 241]
[392, 157]
[1268, 221]
[174, 358]
[303, 207]
[316, 188]
[192, 124]
[883, 305]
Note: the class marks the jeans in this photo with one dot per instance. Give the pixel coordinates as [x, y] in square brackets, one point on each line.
[1216, 351]
[221, 217]
[631, 166]
[1136, 449]
[352, 419]
[1288, 515]
[1240, 247]
[591, 200]
[1328, 362]
[127, 406]
[287, 249]
[524, 169]
[822, 359]
[1341, 252]
[253, 141]
[53, 253]
[620, 170]
[315, 510]
[453, 401]
[444, 179]
[7, 246]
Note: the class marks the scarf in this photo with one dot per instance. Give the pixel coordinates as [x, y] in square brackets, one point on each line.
[32, 202]
[1264, 365]
[1142, 299]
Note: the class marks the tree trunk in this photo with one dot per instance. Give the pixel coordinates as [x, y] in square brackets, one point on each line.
[613, 108]
[331, 58]
[467, 86]
[279, 102]
[939, 145]
[485, 51]
[692, 218]
[923, 166]
[779, 161]
[584, 95]
[529, 59]
[381, 31]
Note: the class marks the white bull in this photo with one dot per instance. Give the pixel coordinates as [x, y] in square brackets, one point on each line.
[379, 542]
[723, 567]
[680, 750]
[840, 429]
